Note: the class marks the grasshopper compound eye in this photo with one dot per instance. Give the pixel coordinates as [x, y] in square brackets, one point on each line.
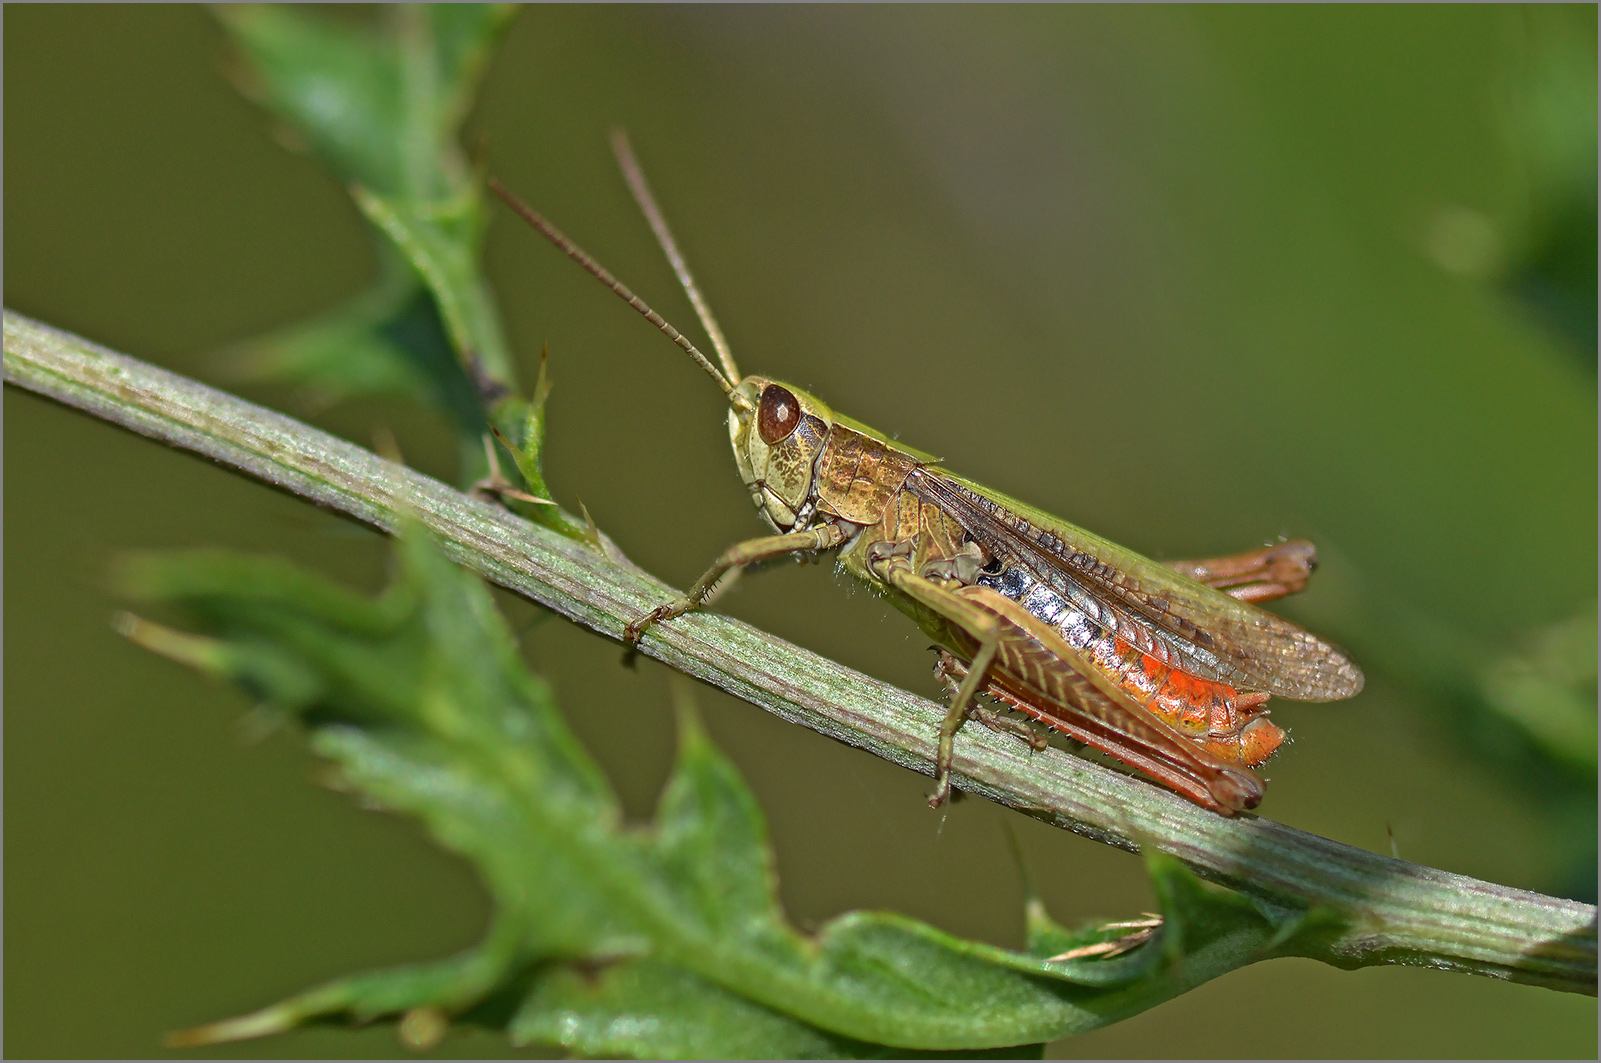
[778, 415]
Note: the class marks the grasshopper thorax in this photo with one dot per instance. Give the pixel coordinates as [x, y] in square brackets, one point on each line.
[778, 432]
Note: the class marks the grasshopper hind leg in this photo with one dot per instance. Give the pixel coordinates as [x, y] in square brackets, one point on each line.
[1262, 575]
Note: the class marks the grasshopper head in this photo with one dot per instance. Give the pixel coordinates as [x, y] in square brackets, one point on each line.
[777, 432]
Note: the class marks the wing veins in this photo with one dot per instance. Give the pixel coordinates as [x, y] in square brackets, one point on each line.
[1234, 643]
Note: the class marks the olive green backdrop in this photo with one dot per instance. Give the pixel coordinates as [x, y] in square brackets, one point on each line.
[1190, 278]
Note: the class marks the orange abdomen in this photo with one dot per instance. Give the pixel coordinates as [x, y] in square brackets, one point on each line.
[1227, 723]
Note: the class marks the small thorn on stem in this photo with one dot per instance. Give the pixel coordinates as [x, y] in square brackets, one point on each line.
[495, 487]
[1143, 930]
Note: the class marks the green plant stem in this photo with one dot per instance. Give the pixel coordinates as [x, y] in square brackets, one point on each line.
[1383, 910]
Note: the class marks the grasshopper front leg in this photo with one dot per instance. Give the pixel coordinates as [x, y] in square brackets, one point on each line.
[749, 552]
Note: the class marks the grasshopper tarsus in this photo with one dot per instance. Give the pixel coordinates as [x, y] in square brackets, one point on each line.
[1007, 726]
[944, 793]
[636, 630]
[950, 672]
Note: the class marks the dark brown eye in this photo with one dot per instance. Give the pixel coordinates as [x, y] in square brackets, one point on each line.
[778, 415]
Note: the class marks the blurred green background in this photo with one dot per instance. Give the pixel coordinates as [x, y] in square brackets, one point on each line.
[1192, 278]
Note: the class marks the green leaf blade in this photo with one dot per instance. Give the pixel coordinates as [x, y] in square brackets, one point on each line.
[647, 1009]
[338, 86]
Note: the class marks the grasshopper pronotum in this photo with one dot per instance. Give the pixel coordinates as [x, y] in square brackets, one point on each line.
[1168, 668]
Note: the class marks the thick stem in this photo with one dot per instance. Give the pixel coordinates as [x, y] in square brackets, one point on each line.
[1386, 910]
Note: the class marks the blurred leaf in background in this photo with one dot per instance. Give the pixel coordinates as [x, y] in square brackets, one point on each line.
[1550, 105]
[1527, 710]
[609, 940]
[1530, 708]
[382, 107]
[1543, 251]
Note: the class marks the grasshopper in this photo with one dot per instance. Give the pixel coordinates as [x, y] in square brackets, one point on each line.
[1167, 668]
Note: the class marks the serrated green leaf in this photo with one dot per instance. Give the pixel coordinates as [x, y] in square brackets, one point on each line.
[712, 839]
[668, 941]
[338, 85]
[381, 106]
[520, 429]
[462, 37]
[645, 1008]
[440, 240]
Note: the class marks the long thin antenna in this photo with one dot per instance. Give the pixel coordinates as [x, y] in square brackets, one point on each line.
[658, 224]
[601, 273]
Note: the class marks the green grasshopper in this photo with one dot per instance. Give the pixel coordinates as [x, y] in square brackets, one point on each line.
[1167, 668]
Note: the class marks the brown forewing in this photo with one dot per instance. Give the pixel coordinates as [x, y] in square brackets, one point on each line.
[1180, 622]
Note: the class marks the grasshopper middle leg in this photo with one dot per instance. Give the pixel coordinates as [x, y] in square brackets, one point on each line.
[984, 628]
